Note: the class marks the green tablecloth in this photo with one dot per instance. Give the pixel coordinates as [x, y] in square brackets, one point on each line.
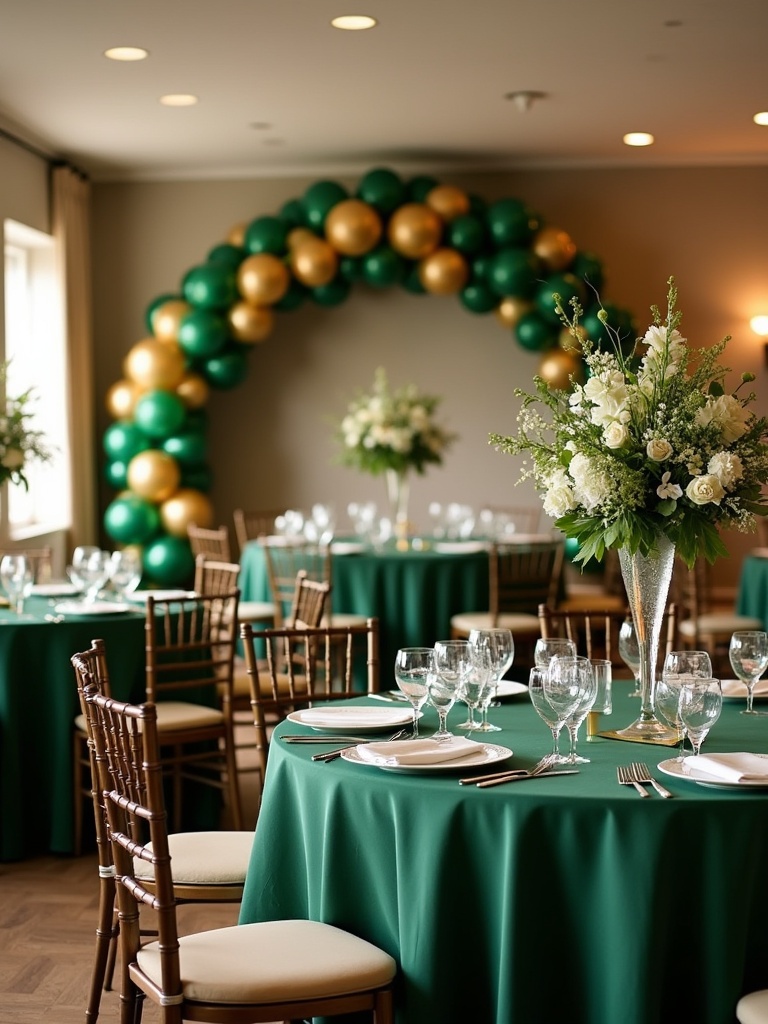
[552, 901]
[413, 594]
[38, 703]
[753, 588]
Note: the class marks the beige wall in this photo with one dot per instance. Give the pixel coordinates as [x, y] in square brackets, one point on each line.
[271, 438]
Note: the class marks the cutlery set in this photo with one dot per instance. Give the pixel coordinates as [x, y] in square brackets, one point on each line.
[638, 775]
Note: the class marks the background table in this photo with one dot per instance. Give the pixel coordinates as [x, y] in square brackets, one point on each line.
[753, 588]
[412, 593]
[550, 901]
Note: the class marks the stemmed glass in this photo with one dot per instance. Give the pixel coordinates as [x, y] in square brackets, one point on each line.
[16, 577]
[588, 688]
[629, 652]
[551, 647]
[446, 679]
[477, 685]
[545, 711]
[94, 572]
[501, 647]
[701, 701]
[412, 667]
[566, 684]
[124, 571]
[748, 653]
[677, 666]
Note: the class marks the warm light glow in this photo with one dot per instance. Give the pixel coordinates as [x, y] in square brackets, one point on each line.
[759, 325]
[353, 22]
[638, 139]
[126, 53]
[761, 118]
[178, 99]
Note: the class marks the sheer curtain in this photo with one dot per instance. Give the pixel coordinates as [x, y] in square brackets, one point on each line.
[70, 216]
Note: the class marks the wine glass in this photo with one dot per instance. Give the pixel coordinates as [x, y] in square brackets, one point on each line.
[501, 647]
[412, 666]
[748, 653]
[94, 572]
[16, 577]
[666, 699]
[629, 652]
[588, 688]
[545, 711]
[547, 648]
[701, 701]
[125, 571]
[445, 680]
[566, 684]
[477, 685]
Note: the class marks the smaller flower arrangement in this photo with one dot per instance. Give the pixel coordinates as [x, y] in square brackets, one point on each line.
[651, 444]
[19, 444]
[392, 430]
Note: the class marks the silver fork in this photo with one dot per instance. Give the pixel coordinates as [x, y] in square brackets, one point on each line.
[641, 773]
[626, 779]
[331, 755]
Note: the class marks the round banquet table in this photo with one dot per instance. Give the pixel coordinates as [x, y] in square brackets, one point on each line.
[752, 597]
[548, 901]
[412, 593]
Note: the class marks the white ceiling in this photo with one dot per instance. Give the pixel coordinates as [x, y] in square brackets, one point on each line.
[425, 90]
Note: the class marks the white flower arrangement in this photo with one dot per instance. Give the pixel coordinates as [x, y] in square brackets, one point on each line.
[19, 444]
[392, 430]
[651, 444]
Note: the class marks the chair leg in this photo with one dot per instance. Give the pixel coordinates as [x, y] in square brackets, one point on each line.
[106, 938]
[77, 795]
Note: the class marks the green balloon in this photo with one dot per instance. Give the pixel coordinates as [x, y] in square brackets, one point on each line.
[168, 561]
[420, 187]
[511, 222]
[230, 255]
[351, 268]
[481, 268]
[478, 207]
[620, 321]
[203, 333]
[333, 293]
[116, 474]
[567, 286]
[226, 370]
[130, 519]
[535, 333]
[198, 477]
[478, 298]
[412, 282]
[123, 440]
[319, 199]
[159, 413]
[188, 447]
[383, 267]
[210, 286]
[266, 234]
[293, 214]
[513, 272]
[468, 234]
[382, 189]
[293, 298]
[152, 308]
[589, 269]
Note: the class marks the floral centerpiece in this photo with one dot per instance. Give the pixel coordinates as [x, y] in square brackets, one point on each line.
[19, 444]
[650, 456]
[393, 432]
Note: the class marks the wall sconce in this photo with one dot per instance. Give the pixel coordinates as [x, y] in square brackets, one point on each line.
[759, 325]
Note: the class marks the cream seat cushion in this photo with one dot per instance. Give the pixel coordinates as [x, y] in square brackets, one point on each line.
[176, 714]
[517, 622]
[722, 623]
[753, 1008]
[205, 858]
[273, 961]
[256, 611]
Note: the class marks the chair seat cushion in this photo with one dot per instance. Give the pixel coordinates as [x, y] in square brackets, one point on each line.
[753, 1008]
[274, 961]
[178, 714]
[241, 686]
[518, 622]
[256, 611]
[205, 858]
[348, 619]
[721, 623]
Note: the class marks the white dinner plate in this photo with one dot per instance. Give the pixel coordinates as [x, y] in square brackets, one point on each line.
[95, 608]
[347, 547]
[140, 596]
[679, 770]
[510, 688]
[491, 753]
[352, 719]
[734, 689]
[459, 547]
[62, 589]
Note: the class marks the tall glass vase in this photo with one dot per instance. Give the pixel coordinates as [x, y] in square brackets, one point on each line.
[647, 579]
[398, 493]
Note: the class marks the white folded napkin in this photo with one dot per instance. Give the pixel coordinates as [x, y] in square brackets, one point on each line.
[735, 688]
[355, 717]
[427, 751]
[736, 767]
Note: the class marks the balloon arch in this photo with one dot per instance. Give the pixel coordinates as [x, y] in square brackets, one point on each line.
[497, 257]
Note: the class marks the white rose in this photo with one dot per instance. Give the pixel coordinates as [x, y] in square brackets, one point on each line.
[706, 489]
[728, 468]
[615, 435]
[558, 498]
[658, 449]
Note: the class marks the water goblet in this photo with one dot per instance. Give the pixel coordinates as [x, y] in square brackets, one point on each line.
[16, 577]
[501, 647]
[445, 680]
[412, 667]
[748, 654]
[701, 701]
[477, 685]
[94, 571]
[588, 689]
[629, 652]
[546, 712]
[125, 571]
[666, 696]
[547, 648]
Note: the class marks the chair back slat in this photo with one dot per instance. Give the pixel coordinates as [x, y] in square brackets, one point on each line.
[523, 576]
[250, 524]
[213, 542]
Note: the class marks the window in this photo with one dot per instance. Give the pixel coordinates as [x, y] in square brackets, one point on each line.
[36, 352]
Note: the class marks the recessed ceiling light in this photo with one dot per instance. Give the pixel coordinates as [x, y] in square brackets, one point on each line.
[353, 22]
[178, 99]
[126, 53]
[638, 139]
[761, 118]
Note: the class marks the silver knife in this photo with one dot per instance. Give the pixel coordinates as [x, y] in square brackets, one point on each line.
[299, 738]
[523, 778]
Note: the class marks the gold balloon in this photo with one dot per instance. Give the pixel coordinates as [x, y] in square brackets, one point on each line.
[167, 318]
[154, 475]
[236, 235]
[263, 279]
[444, 272]
[298, 235]
[314, 262]
[511, 308]
[121, 399]
[567, 341]
[554, 247]
[414, 230]
[557, 366]
[448, 202]
[193, 390]
[353, 227]
[154, 364]
[250, 323]
[186, 506]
